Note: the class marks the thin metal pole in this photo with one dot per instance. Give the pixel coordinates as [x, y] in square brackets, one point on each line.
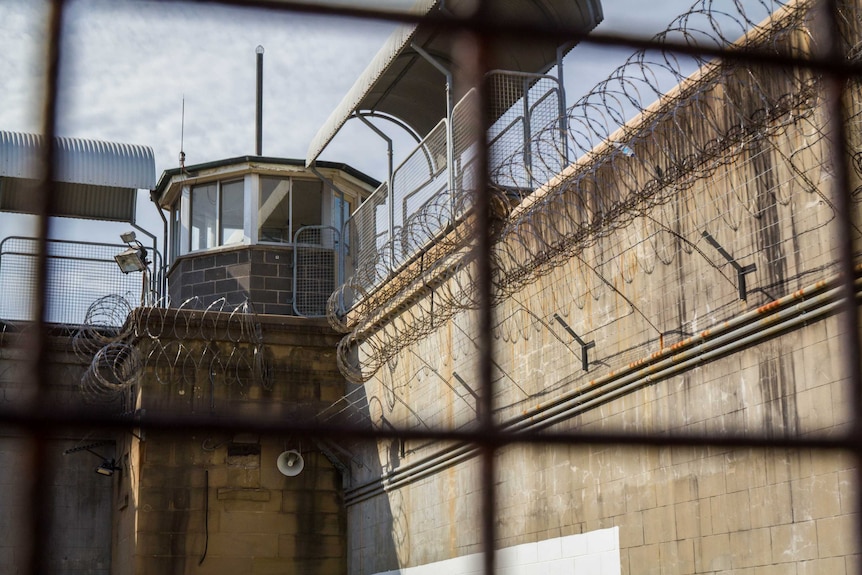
[528, 128]
[450, 128]
[564, 121]
[258, 124]
[390, 183]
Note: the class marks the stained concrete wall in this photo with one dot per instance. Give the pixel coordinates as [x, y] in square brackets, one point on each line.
[79, 501]
[215, 503]
[677, 349]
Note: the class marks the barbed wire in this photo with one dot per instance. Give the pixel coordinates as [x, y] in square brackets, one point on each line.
[628, 175]
[175, 346]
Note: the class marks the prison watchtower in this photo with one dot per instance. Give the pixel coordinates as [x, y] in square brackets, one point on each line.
[266, 230]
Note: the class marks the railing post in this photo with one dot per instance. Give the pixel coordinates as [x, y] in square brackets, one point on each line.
[450, 134]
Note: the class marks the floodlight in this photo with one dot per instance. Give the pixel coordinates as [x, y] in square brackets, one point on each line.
[132, 260]
[108, 465]
[107, 468]
[128, 237]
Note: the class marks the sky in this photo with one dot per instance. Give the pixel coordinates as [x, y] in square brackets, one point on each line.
[170, 75]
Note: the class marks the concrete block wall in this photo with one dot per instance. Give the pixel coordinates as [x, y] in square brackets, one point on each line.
[263, 275]
[216, 503]
[80, 501]
[204, 509]
[648, 294]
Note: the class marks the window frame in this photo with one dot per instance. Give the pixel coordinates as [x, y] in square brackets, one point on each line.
[219, 242]
[291, 229]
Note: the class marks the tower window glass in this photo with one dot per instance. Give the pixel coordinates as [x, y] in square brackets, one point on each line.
[216, 214]
[286, 205]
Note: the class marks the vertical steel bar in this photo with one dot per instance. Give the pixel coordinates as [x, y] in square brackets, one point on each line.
[835, 123]
[477, 65]
[37, 367]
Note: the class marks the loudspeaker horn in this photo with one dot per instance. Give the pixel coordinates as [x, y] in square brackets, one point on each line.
[290, 463]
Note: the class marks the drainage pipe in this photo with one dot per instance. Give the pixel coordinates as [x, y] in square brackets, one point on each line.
[437, 462]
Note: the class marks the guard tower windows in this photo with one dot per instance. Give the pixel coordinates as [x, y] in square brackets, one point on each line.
[286, 205]
[216, 215]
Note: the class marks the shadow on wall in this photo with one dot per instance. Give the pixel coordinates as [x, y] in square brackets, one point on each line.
[377, 538]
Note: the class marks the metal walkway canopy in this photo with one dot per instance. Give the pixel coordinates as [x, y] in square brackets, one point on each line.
[95, 180]
[402, 83]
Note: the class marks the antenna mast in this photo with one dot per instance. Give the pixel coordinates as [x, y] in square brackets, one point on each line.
[182, 134]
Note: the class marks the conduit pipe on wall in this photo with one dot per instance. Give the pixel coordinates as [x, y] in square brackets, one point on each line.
[399, 478]
[709, 345]
[808, 304]
[676, 365]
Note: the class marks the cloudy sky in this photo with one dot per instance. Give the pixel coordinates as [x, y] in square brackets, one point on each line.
[128, 65]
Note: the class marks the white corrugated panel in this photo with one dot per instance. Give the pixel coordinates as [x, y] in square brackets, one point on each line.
[19, 155]
[79, 161]
[400, 83]
[351, 101]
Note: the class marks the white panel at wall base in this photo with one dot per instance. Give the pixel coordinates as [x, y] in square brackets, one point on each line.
[596, 552]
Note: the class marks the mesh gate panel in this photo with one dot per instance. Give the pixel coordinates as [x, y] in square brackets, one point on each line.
[315, 269]
[79, 273]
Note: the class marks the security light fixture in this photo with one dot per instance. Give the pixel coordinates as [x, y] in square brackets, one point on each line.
[134, 258]
[108, 465]
[107, 468]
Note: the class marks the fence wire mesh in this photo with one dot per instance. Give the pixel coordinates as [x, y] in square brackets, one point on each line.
[315, 264]
[78, 274]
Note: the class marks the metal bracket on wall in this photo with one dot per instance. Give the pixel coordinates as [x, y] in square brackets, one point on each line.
[585, 346]
[741, 271]
[89, 446]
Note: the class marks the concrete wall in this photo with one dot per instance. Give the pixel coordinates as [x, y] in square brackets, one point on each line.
[215, 503]
[677, 349]
[80, 501]
[264, 276]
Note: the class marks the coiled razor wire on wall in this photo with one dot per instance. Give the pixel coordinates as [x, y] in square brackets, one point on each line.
[625, 171]
[172, 346]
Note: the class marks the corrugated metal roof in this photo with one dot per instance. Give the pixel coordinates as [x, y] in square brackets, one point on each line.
[401, 83]
[79, 161]
[72, 200]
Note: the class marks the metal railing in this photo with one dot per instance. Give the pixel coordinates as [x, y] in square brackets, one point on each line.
[393, 226]
[78, 273]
